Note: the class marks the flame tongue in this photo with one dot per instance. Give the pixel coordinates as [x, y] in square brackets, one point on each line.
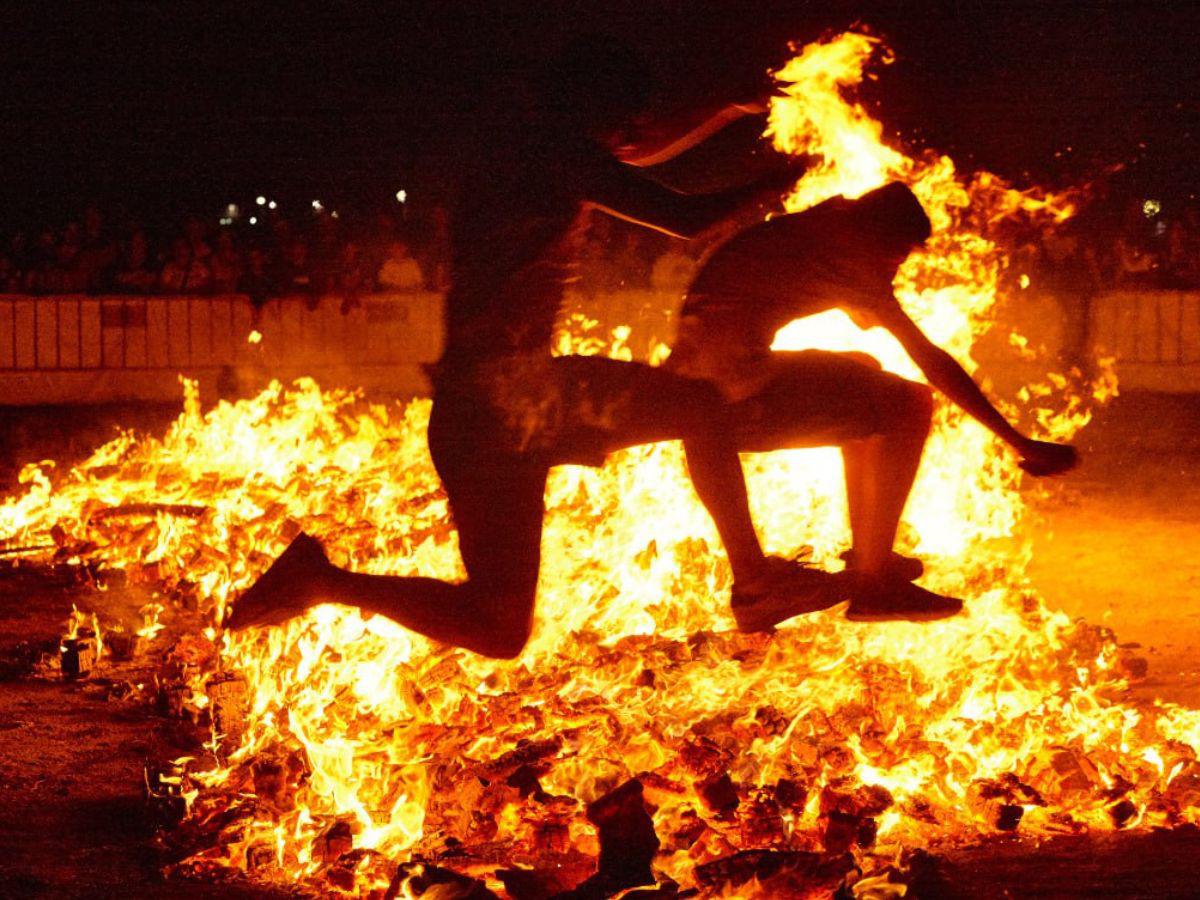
[753, 752]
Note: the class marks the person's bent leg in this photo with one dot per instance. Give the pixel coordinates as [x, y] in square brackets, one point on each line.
[643, 405]
[880, 471]
[881, 422]
[497, 509]
[499, 522]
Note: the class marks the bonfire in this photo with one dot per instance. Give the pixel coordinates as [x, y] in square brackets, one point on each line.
[639, 740]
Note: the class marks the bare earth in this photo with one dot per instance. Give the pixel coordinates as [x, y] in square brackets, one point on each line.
[1117, 542]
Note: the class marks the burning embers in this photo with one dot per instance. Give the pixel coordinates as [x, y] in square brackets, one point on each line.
[638, 739]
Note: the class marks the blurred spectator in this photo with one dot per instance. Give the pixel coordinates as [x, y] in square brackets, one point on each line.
[184, 273]
[135, 275]
[97, 254]
[196, 233]
[226, 264]
[1183, 251]
[436, 263]
[399, 271]
[292, 273]
[354, 277]
[256, 281]
[10, 277]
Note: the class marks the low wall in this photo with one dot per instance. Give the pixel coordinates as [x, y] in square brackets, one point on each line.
[77, 349]
[1155, 336]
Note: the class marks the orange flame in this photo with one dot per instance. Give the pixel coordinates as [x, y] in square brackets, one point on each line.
[634, 667]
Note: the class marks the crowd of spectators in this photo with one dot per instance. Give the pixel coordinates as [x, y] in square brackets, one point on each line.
[1145, 246]
[270, 255]
[323, 254]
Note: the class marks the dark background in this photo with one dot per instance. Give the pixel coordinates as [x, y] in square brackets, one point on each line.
[163, 106]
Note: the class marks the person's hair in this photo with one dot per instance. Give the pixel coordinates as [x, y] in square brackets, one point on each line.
[598, 75]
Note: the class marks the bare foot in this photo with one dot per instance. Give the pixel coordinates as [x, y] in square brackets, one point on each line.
[287, 589]
[896, 600]
[785, 589]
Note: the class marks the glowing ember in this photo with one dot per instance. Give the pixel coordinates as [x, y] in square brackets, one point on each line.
[828, 735]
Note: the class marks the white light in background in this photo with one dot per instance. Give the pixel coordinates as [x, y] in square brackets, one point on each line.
[317, 207]
[272, 205]
[260, 200]
[1151, 208]
[402, 196]
[254, 220]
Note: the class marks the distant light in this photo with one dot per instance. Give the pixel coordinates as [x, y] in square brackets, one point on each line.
[254, 337]
[225, 220]
[402, 196]
[254, 220]
[1151, 208]
[317, 207]
[1024, 281]
[272, 205]
[334, 214]
[232, 211]
[260, 200]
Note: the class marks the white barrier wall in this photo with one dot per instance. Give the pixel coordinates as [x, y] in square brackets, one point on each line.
[76, 349]
[1155, 336]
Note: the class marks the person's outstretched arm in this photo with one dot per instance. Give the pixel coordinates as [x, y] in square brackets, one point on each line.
[945, 374]
[623, 192]
[664, 141]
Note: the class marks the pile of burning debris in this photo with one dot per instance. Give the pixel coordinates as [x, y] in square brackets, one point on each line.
[639, 744]
[503, 823]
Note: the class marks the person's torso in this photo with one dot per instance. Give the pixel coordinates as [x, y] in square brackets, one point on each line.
[515, 237]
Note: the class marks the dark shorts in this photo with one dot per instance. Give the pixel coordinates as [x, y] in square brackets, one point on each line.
[817, 398]
[541, 411]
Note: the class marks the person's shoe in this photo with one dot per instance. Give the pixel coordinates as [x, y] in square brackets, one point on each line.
[285, 590]
[906, 568]
[785, 589]
[895, 600]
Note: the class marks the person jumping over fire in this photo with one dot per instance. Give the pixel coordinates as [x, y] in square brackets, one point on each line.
[505, 411]
[839, 254]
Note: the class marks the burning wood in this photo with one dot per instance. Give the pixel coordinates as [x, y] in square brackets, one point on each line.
[638, 740]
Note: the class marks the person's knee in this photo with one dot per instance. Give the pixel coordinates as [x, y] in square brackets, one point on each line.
[505, 640]
[503, 620]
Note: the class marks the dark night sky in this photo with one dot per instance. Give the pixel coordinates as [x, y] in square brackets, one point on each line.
[198, 102]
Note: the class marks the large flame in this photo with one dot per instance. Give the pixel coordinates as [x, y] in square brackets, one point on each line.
[634, 667]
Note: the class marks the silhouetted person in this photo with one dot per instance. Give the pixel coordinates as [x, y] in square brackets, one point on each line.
[840, 254]
[505, 411]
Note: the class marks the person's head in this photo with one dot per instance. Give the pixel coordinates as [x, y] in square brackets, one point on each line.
[71, 233]
[138, 249]
[599, 85]
[194, 229]
[181, 251]
[225, 244]
[398, 249]
[894, 221]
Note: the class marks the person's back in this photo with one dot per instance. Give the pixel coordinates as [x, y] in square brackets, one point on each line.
[840, 253]
[514, 236]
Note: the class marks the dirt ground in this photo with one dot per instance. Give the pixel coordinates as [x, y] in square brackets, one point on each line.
[1118, 542]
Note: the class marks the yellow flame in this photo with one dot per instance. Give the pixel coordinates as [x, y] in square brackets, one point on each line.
[633, 667]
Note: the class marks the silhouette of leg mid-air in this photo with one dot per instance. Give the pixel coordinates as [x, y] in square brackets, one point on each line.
[493, 458]
[880, 421]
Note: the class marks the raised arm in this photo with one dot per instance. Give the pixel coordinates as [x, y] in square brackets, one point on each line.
[665, 140]
[624, 192]
[945, 374]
